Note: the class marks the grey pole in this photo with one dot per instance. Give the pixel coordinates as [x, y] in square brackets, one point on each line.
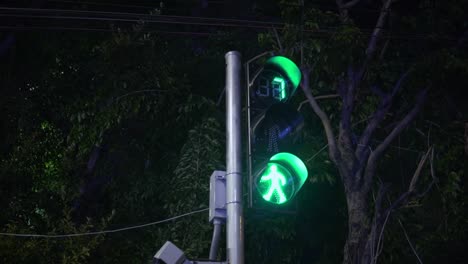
[235, 216]
[215, 240]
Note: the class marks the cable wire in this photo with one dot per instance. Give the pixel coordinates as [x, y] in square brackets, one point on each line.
[139, 15]
[174, 19]
[149, 18]
[105, 231]
[64, 14]
[87, 29]
[104, 4]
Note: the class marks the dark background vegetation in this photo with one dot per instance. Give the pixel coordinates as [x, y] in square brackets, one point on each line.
[117, 121]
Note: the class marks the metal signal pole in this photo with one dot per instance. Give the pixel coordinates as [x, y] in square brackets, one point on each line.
[235, 216]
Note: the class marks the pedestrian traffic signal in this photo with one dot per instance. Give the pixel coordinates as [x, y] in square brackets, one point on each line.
[274, 123]
[281, 178]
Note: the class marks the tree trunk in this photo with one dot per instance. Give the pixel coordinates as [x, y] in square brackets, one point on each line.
[356, 249]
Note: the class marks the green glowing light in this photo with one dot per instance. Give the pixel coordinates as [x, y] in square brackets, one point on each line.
[276, 181]
[296, 164]
[289, 68]
[282, 178]
[282, 87]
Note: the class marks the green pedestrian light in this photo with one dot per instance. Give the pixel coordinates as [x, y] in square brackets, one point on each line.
[274, 125]
[273, 181]
[282, 178]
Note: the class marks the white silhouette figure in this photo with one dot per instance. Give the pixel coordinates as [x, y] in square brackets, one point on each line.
[277, 180]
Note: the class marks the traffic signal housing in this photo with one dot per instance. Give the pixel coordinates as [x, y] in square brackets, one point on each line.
[275, 173]
[281, 178]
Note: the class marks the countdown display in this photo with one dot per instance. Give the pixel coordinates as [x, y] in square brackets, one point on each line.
[277, 82]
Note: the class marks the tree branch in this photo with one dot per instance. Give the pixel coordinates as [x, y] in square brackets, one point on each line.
[381, 216]
[374, 242]
[409, 242]
[384, 49]
[377, 117]
[320, 97]
[377, 153]
[347, 5]
[378, 29]
[278, 40]
[434, 178]
[343, 8]
[140, 91]
[334, 154]
[346, 90]
[416, 174]
[412, 187]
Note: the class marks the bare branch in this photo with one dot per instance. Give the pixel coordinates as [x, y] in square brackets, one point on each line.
[334, 154]
[278, 40]
[434, 178]
[381, 221]
[401, 125]
[379, 246]
[412, 187]
[318, 152]
[347, 5]
[381, 216]
[320, 97]
[377, 225]
[409, 242]
[377, 153]
[220, 97]
[140, 91]
[432, 165]
[416, 174]
[377, 117]
[384, 49]
[376, 34]
[378, 29]
[343, 8]
[256, 74]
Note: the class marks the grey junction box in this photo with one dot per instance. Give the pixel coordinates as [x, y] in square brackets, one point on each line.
[217, 196]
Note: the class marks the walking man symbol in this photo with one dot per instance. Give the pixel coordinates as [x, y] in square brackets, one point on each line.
[276, 181]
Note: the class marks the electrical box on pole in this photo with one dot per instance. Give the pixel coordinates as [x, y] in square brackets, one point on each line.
[217, 196]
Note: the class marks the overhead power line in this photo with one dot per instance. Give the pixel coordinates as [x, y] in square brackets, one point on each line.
[104, 4]
[109, 30]
[84, 15]
[88, 29]
[105, 231]
[135, 20]
[140, 16]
